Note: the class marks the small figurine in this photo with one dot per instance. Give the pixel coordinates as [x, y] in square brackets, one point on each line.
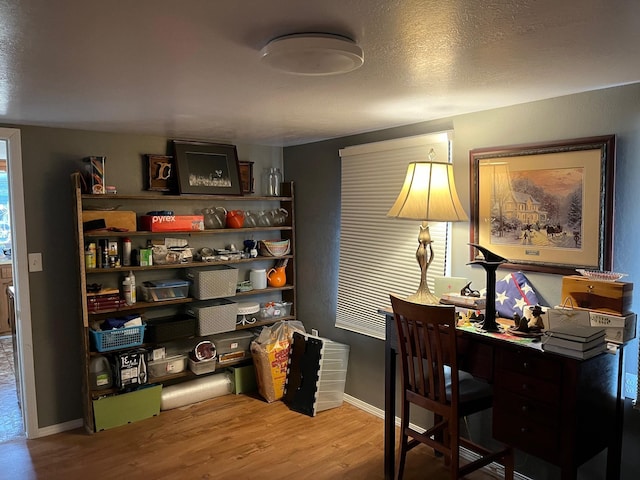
[468, 292]
[536, 321]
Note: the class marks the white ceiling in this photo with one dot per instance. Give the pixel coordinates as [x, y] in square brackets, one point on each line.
[191, 68]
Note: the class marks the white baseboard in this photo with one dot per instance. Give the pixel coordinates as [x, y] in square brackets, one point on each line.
[57, 428]
[493, 469]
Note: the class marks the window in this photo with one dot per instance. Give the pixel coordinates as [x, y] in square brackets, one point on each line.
[5, 219]
[377, 254]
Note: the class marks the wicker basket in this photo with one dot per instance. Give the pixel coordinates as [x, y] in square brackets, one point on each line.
[274, 248]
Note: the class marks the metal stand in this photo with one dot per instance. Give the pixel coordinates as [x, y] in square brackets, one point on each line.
[490, 263]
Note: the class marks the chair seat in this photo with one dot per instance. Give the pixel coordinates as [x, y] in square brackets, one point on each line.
[470, 388]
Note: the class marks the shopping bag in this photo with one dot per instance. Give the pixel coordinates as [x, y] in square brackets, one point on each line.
[270, 353]
[566, 314]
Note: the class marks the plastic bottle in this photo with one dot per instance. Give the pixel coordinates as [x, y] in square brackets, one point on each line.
[132, 277]
[100, 372]
[126, 252]
[126, 290]
[271, 179]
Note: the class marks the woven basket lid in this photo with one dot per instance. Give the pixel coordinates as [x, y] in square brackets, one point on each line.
[247, 308]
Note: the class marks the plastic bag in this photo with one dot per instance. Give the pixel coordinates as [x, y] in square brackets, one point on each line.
[270, 352]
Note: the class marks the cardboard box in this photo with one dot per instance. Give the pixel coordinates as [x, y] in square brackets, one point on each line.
[120, 219]
[606, 297]
[618, 329]
[171, 223]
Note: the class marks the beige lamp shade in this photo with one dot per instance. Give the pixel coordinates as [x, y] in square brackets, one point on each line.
[429, 193]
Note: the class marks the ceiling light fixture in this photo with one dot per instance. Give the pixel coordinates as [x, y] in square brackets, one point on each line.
[313, 54]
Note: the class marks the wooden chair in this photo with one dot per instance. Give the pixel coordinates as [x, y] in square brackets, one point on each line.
[431, 380]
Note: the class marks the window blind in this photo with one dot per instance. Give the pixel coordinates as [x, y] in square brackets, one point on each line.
[377, 254]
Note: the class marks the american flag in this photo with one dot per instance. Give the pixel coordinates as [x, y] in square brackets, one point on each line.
[513, 294]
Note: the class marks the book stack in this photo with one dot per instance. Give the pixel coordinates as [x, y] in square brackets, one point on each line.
[476, 303]
[577, 341]
[106, 299]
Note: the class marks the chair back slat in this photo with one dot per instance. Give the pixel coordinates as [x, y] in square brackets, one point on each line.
[427, 344]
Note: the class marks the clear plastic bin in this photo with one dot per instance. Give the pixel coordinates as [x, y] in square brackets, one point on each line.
[167, 366]
[162, 290]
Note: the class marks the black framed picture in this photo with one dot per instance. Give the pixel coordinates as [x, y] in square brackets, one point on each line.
[207, 168]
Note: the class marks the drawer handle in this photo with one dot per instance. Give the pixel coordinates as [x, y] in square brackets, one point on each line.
[525, 365]
[524, 430]
[524, 408]
[525, 386]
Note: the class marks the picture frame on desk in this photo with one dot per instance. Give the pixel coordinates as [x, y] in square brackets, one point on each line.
[207, 168]
[547, 207]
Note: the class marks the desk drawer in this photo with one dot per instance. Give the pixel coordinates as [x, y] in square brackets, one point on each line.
[528, 386]
[527, 435]
[511, 404]
[533, 364]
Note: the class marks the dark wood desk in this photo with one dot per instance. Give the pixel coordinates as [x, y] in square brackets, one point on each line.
[562, 410]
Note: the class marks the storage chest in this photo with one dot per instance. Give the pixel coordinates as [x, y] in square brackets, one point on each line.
[607, 297]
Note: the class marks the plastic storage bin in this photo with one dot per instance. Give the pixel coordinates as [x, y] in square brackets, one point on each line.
[203, 366]
[162, 290]
[116, 410]
[212, 282]
[233, 346]
[324, 363]
[164, 329]
[107, 340]
[167, 366]
[214, 316]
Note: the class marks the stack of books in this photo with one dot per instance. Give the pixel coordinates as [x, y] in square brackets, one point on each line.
[105, 299]
[577, 341]
[476, 303]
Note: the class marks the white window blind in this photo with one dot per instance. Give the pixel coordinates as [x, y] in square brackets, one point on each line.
[377, 254]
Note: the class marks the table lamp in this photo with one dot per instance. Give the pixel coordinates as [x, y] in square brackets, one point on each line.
[428, 194]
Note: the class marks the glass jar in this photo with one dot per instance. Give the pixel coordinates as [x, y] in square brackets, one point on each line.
[271, 179]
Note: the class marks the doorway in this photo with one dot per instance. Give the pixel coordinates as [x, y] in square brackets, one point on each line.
[22, 346]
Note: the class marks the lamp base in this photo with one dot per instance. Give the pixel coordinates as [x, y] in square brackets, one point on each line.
[423, 297]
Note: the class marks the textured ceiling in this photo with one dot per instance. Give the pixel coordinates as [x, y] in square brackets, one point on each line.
[191, 68]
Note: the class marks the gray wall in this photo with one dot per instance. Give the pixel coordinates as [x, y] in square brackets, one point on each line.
[316, 170]
[49, 156]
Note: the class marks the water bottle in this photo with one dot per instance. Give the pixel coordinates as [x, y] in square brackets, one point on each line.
[271, 179]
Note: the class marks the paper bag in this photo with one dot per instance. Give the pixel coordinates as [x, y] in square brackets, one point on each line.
[270, 352]
[566, 314]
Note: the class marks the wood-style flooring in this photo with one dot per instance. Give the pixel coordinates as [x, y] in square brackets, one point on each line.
[236, 437]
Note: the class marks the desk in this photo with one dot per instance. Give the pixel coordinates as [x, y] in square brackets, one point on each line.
[562, 410]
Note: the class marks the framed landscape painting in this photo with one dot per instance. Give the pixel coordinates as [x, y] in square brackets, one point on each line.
[545, 207]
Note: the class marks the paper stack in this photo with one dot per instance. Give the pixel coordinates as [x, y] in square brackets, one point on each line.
[577, 341]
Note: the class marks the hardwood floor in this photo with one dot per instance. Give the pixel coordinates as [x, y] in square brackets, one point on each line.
[236, 437]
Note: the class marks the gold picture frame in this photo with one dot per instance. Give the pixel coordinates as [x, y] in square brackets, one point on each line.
[546, 207]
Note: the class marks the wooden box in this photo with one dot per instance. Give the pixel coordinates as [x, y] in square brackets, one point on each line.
[120, 219]
[607, 297]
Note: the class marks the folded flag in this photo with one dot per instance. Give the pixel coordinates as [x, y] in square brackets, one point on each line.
[513, 295]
